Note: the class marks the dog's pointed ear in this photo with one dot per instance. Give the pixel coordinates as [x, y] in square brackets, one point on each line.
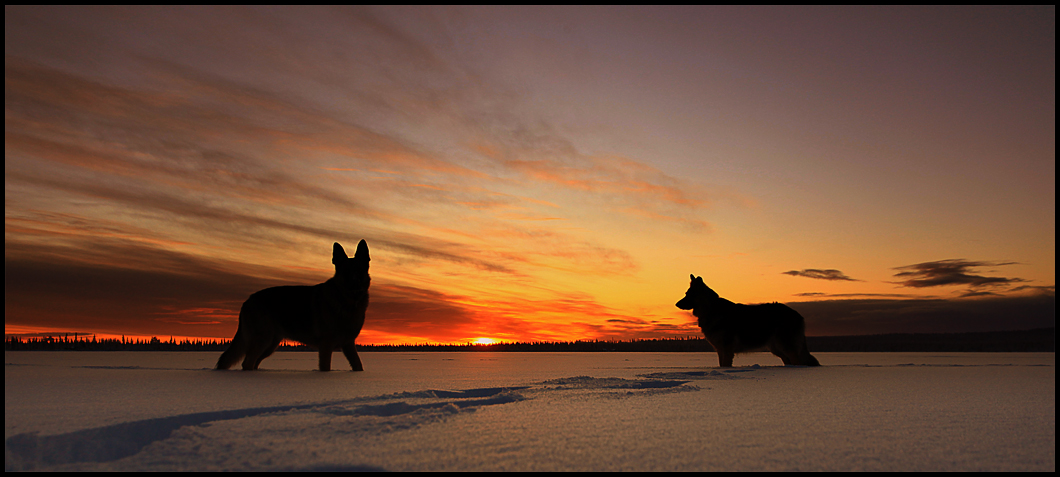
[691, 277]
[338, 254]
[700, 280]
[362, 251]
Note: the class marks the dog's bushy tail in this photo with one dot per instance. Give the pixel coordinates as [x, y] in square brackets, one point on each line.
[236, 350]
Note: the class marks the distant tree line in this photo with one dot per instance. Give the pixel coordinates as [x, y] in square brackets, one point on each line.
[83, 343]
[679, 344]
[1036, 340]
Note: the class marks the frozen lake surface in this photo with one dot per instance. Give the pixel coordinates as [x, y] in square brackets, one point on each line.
[134, 411]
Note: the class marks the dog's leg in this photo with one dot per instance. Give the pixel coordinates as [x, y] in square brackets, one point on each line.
[725, 357]
[351, 355]
[268, 351]
[256, 347]
[325, 358]
[805, 358]
[783, 353]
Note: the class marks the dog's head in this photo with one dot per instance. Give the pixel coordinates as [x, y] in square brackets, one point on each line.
[352, 270]
[697, 296]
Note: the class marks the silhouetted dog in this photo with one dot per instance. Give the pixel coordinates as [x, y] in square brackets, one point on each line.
[735, 328]
[327, 316]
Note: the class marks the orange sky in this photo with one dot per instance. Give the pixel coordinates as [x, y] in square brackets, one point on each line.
[530, 173]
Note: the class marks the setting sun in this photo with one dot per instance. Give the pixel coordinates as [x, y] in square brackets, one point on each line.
[484, 341]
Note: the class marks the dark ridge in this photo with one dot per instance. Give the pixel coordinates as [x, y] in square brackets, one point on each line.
[1038, 340]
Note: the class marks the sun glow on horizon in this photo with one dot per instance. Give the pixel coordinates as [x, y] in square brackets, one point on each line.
[483, 341]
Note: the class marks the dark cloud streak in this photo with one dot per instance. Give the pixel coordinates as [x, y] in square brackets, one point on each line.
[862, 295]
[951, 272]
[830, 274]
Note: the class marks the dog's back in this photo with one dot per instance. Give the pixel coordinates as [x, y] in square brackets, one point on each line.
[751, 327]
[297, 313]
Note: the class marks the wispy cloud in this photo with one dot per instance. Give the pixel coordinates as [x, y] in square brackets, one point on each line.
[232, 189]
[829, 274]
[952, 272]
[858, 295]
[616, 184]
[1051, 289]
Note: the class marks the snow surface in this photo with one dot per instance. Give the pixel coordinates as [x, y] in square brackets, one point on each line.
[136, 411]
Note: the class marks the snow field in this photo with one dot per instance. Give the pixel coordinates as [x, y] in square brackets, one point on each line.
[531, 411]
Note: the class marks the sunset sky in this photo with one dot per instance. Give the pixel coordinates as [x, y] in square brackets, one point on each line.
[525, 174]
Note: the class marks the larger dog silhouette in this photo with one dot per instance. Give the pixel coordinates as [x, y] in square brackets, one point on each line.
[736, 328]
[327, 316]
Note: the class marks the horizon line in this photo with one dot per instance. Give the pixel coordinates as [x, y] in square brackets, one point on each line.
[173, 339]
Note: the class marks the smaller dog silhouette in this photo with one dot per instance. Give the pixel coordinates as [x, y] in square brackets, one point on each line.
[327, 316]
[736, 328]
